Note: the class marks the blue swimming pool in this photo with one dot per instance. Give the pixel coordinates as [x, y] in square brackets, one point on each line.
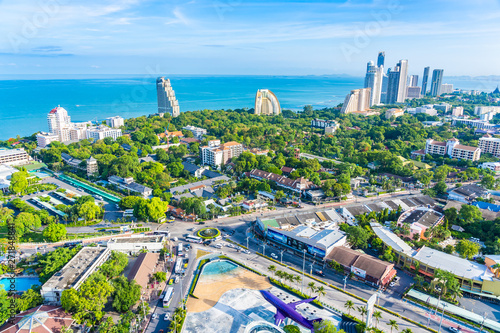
[22, 283]
[219, 267]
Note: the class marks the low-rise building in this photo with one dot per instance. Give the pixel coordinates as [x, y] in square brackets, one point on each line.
[16, 156]
[144, 268]
[44, 139]
[316, 243]
[493, 166]
[74, 273]
[486, 113]
[197, 131]
[394, 112]
[320, 123]
[297, 185]
[133, 245]
[420, 219]
[427, 109]
[364, 267]
[6, 172]
[101, 132]
[129, 185]
[481, 124]
[457, 111]
[453, 149]
[468, 193]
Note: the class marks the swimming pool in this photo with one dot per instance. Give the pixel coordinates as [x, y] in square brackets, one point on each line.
[22, 283]
[219, 267]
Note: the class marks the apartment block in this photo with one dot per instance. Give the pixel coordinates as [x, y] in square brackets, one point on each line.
[14, 156]
[453, 149]
[489, 144]
[216, 154]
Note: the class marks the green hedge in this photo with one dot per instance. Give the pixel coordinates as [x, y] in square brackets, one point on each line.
[294, 291]
[198, 233]
[235, 243]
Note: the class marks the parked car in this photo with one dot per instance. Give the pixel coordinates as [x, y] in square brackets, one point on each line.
[454, 329]
[154, 316]
[392, 284]
[274, 256]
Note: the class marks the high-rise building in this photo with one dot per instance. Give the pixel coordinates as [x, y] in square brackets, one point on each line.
[115, 122]
[373, 80]
[266, 103]
[396, 87]
[413, 81]
[457, 111]
[446, 88]
[381, 59]
[437, 80]
[385, 83]
[357, 101]
[424, 80]
[167, 103]
[59, 123]
[412, 92]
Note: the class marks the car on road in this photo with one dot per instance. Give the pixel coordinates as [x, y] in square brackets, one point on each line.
[274, 256]
[201, 222]
[392, 284]
[397, 278]
[246, 252]
[177, 279]
[154, 316]
[454, 329]
[167, 316]
[319, 272]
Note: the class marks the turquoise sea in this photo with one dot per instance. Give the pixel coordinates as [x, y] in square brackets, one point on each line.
[25, 101]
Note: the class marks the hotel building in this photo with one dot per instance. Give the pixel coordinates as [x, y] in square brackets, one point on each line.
[216, 154]
[357, 101]
[266, 103]
[14, 156]
[101, 132]
[167, 103]
[453, 149]
[115, 122]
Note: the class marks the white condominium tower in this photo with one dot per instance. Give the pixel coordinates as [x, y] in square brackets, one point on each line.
[357, 100]
[266, 103]
[167, 103]
[373, 80]
[60, 123]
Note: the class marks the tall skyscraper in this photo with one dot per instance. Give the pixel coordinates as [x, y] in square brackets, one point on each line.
[357, 101]
[381, 59]
[266, 103]
[397, 83]
[373, 80]
[413, 81]
[385, 84]
[437, 80]
[424, 80]
[167, 103]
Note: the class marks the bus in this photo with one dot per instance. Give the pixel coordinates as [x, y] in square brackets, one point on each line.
[178, 266]
[165, 233]
[168, 297]
[194, 239]
[179, 249]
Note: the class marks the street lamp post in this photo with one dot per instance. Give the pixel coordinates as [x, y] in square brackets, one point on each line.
[264, 248]
[281, 251]
[303, 269]
[482, 323]
[442, 315]
[247, 241]
[312, 264]
[345, 281]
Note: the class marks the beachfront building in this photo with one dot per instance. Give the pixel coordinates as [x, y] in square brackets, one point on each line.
[16, 156]
[115, 122]
[357, 100]
[167, 102]
[453, 149]
[43, 139]
[100, 132]
[74, 273]
[216, 154]
[266, 103]
[457, 111]
[60, 125]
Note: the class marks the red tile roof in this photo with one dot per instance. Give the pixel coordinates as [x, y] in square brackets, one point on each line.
[144, 268]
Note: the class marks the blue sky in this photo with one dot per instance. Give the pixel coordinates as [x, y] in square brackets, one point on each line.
[151, 37]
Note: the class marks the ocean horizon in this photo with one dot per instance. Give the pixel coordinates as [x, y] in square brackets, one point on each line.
[25, 100]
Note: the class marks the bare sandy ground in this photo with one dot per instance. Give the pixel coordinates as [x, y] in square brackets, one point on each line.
[209, 290]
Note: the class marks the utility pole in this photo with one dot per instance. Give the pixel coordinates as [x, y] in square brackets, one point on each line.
[484, 318]
[303, 269]
[442, 315]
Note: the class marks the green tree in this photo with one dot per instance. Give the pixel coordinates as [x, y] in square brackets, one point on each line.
[18, 182]
[312, 287]
[467, 249]
[358, 237]
[272, 269]
[29, 299]
[129, 202]
[469, 214]
[440, 187]
[362, 310]
[326, 326]
[377, 315]
[4, 306]
[156, 209]
[127, 293]
[291, 329]
[489, 182]
[54, 232]
[160, 276]
[115, 265]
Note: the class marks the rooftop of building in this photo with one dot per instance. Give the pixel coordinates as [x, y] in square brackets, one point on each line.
[6, 152]
[421, 215]
[348, 257]
[456, 265]
[69, 275]
[206, 182]
[469, 190]
[144, 268]
[136, 240]
[322, 239]
[40, 319]
[391, 239]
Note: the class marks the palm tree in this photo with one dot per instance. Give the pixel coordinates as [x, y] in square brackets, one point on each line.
[419, 280]
[320, 291]
[272, 269]
[377, 315]
[455, 291]
[297, 279]
[312, 287]
[393, 324]
[280, 274]
[496, 267]
[407, 330]
[363, 311]
[349, 305]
